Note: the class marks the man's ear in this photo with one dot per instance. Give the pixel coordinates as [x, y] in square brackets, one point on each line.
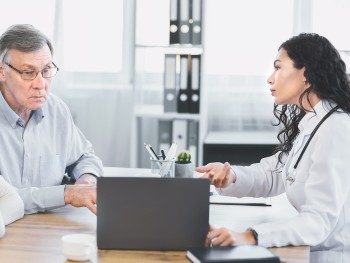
[2, 72]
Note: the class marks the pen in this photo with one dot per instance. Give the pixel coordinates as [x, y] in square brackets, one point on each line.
[163, 154]
[153, 151]
[153, 156]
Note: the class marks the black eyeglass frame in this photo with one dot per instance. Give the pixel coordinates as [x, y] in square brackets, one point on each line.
[21, 72]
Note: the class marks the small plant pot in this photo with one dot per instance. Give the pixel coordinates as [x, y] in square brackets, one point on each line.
[184, 170]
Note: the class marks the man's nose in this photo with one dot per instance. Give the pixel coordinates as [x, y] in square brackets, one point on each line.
[39, 82]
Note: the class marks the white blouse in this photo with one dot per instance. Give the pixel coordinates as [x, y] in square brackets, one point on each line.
[319, 188]
[11, 205]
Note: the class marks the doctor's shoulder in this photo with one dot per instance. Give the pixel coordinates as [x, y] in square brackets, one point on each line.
[337, 127]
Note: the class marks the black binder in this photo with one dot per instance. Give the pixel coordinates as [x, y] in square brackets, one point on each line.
[194, 92]
[174, 21]
[237, 254]
[183, 94]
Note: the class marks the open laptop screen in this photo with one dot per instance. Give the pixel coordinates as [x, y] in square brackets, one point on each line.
[152, 213]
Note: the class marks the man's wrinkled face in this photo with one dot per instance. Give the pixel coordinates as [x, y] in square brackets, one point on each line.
[20, 93]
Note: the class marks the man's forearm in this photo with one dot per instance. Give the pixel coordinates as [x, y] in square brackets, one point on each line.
[39, 199]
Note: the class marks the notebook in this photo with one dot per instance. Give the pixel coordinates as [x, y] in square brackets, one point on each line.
[237, 254]
[152, 213]
[229, 200]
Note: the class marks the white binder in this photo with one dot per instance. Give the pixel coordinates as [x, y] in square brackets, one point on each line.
[196, 38]
[180, 134]
[165, 135]
[185, 34]
[170, 94]
[193, 140]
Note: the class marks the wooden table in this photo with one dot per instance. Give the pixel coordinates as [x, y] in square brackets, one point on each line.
[37, 238]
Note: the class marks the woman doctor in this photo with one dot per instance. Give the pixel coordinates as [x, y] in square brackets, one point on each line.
[312, 163]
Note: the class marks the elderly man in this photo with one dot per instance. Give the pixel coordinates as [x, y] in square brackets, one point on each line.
[38, 139]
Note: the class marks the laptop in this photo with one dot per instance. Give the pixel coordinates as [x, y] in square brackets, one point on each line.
[152, 213]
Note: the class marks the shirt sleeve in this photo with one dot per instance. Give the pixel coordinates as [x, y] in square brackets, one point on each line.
[261, 179]
[11, 205]
[81, 156]
[40, 199]
[2, 226]
[326, 190]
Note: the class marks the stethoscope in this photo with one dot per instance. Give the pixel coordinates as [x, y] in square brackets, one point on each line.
[290, 176]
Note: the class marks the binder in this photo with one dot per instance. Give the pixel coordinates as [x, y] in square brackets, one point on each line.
[164, 135]
[174, 21]
[180, 134]
[183, 94]
[194, 93]
[193, 140]
[185, 34]
[196, 26]
[170, 94]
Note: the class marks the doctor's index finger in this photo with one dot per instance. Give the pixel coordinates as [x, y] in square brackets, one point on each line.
[204, 168]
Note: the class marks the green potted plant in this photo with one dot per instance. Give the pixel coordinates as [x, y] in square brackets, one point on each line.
[183, 165]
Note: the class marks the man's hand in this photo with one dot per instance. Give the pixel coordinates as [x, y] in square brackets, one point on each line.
[86, 179]
[224, 237]
[80, 195]
[220, 175]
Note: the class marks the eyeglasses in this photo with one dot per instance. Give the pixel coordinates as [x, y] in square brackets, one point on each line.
[31, 74]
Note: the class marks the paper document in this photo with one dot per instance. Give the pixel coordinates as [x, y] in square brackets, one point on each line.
[229, 200]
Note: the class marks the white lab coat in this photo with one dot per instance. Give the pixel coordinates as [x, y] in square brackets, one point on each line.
[320, 192]
[11, 205]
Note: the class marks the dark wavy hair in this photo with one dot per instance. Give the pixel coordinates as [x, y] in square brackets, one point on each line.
[325, 71]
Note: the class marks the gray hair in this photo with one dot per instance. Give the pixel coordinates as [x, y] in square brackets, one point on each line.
[24, 38]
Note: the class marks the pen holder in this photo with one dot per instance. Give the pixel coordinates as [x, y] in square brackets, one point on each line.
[163, 168]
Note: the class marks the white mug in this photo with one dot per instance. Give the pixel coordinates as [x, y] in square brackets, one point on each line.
[78, 247]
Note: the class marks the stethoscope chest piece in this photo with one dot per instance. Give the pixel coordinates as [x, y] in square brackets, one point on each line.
[290, 177]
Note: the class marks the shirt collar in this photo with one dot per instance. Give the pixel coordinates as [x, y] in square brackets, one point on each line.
[12, 116]
[38, 114]
[311, 119]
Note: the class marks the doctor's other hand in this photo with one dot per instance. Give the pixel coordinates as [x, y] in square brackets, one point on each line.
[81, 195]
[220, 175]
[224, 237]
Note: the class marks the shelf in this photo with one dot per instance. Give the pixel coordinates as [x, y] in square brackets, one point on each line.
[157, 111]
[244, 137]
[176, 49]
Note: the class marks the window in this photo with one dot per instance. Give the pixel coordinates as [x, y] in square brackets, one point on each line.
[331, 19]
[39, 13]
[242, 37]
[152, 22]
[241, 40]
[92, 35]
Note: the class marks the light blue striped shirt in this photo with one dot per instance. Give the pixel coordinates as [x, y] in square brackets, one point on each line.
[34, 157]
